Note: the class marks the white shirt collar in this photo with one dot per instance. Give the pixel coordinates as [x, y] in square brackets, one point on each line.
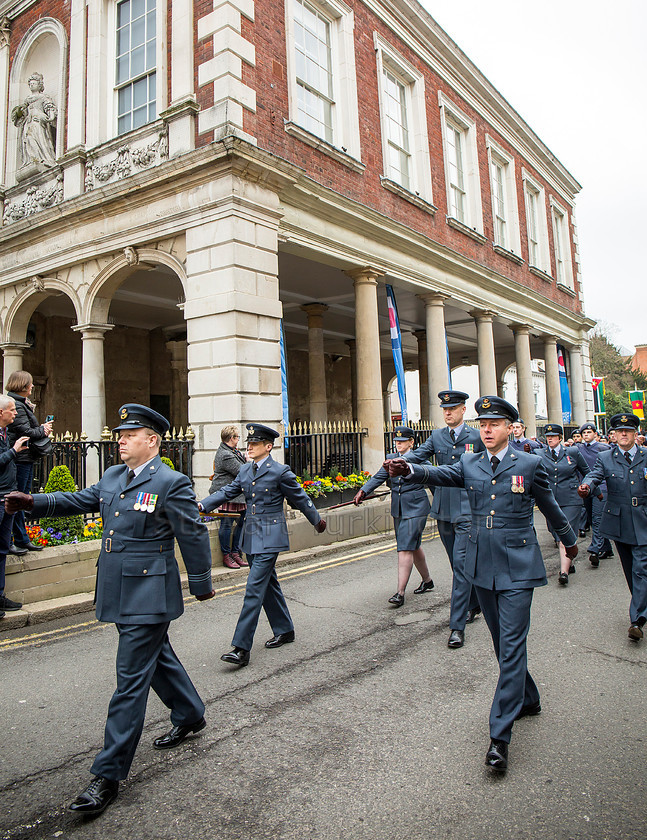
[141, 467]
[457, 431]
[261, 462]
[500, 455]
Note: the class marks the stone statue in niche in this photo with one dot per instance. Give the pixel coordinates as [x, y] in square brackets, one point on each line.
[35, 119]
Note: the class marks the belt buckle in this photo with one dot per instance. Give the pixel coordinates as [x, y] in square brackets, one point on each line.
[108, 545]
[634, 501]
[489, 523]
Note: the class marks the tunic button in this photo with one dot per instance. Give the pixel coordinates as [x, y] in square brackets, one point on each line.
[122, 496]
[253, 494]
[632, 482]
[253, 484]
[117, 513]
[494, 481]
[492, 513]
[145, 571]
[111, 533]
[493, 496]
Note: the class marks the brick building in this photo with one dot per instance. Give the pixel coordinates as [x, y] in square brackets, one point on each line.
[183, 176]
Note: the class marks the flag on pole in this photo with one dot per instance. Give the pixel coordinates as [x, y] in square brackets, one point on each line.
[637, 399]
[396, 347]
[598, 395]
[284, 384]
[563, 384]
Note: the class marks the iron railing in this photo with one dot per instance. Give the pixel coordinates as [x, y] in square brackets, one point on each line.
[73, 452]
[323, 448]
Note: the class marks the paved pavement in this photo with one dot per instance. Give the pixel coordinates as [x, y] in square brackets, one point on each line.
[367, 727]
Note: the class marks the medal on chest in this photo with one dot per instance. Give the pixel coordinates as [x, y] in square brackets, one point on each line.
[469, 447]
[517, 484]
[145, 502]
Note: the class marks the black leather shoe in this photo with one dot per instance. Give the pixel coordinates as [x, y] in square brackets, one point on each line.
[2, 614]
[563, 579]
[33, 547]
[456, 639]
[605, 555]
[237, 656]
[529, 710]
[571, 569]
[497, 756]
[397, 600]
[280, 639]
[635, 632]
[8, 604]
[581, 533]
[471, 615]
[178, 734]
[595, 560]
[96, 797]
[424, 587]
[18, 550]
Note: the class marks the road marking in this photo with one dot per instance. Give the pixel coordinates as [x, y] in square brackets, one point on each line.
[222, 591]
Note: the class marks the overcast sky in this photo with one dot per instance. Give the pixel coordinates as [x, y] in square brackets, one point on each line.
[576, 71]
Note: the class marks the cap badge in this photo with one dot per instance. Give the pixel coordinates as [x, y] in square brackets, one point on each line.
[624, 419]
[486, 403]
[445, 397]
[251, 430]
[124, 413]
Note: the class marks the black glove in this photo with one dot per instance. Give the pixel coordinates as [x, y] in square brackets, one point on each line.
[15, 501]
[397, 466]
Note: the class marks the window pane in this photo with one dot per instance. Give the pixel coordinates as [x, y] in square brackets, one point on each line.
[313, 69]
[123, 69]
[123, 124]
[123, 13]
[138, 8]
[150, 55]
[125, 100]
[137, 65]
[140, 117]
[138, 31]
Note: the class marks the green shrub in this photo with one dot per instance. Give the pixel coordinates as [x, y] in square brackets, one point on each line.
[60, 478]
[168, 462]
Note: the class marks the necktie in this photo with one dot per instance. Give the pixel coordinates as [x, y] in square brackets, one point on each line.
[628, 457]
[452, 435]
[255, 468]
[131, 475]
[553, 452]
[494, 463]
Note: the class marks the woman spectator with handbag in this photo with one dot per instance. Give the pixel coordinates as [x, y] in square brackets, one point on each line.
[226, 466]
[19, 387]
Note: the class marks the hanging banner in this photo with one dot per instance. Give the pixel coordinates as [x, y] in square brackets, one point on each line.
[637, 399]
[396, 347]
[563, 385]
[598, 395]
[284, 385]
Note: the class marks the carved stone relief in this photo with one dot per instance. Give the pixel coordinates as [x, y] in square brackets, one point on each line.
[126, 160]
[36, 198]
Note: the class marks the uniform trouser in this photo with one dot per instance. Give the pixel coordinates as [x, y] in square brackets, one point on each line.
[453, 536]
[263, 591]
[507, 614]
[145, 659]
[586, 514]
[598, 543]
[634, 565]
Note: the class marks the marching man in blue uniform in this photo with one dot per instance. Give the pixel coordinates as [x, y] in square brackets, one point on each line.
[503, 559]
[450, 507]
[266, 484]
[624, 515]
[409, 509]
[145, 506]
[590, 447]
[519, 441]
[565, 467]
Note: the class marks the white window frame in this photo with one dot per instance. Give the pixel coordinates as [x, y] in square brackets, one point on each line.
[533, 187]
[415, 104]
[160, 68]
[345, 113]
[562, 245]
[452, 114]
[511, 239]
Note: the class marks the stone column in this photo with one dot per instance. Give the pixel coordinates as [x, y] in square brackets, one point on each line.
[577, 385]
[74, 179]
[423, 373]
[98, 61]
[485, 349]
[437, 375]
[370, 408]
[553, 389]
[233, 316]
[93, 392]
[386, 399]
[4, 92]
[12, 354]
[316, 362]
[525, 393]
[353, 376]
[179, 384]
[181, 113]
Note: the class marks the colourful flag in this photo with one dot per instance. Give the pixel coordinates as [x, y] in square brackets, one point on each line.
[598, 395]
[284, 383]
[563, 384]
[396, 347]
[638, 403]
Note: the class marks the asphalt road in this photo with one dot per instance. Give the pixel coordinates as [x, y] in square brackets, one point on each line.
[367, 727]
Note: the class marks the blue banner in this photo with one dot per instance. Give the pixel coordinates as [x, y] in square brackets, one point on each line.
[284, 385]
[563, 384]
[396, 346]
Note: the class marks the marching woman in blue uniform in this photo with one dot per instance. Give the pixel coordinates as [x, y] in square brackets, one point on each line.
[503, 559]
[409, 509]
[566, 467]
[145, 507]
[624, 517]
[590, 447]
[265, 484]
[450, 507]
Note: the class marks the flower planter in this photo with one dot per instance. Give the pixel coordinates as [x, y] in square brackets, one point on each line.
[337, 497]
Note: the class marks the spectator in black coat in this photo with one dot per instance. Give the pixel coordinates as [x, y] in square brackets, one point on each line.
[8, 455]
[226, 466]
[19, 386]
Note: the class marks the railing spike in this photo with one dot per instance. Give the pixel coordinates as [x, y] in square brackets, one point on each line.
[190, 434]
